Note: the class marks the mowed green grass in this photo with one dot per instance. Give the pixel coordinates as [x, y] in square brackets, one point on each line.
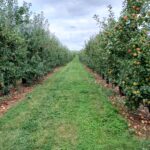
[68, 112]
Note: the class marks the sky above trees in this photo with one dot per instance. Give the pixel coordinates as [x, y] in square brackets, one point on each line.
[72, 20]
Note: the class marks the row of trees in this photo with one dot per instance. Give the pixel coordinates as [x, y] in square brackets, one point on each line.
[28, 50]
[121, 51]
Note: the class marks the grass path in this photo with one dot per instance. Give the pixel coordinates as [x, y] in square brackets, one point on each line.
[68, 112]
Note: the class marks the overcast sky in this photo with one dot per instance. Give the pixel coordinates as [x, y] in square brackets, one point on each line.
[72, 20]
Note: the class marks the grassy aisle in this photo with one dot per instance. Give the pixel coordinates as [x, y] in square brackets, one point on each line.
[68, 112]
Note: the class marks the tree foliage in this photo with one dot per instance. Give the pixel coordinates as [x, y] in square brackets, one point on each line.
[121, 51]
[28, 50]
